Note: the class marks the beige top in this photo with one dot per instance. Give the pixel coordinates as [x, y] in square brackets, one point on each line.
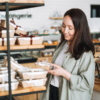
[59, 61]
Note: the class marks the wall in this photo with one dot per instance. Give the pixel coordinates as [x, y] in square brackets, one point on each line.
[40, 15]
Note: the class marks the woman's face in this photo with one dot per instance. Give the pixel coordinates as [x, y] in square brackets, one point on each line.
[68, 29]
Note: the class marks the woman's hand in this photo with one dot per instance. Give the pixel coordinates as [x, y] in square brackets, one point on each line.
[59, 71]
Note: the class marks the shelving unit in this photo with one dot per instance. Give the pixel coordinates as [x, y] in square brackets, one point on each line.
[25, 91]
[20, 91]
[22, 48]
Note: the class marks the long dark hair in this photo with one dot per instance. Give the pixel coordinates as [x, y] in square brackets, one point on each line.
[82, 41]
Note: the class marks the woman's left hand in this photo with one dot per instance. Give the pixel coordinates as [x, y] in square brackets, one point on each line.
[58, 71]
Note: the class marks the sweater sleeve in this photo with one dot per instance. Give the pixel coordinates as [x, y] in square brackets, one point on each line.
[84, 81]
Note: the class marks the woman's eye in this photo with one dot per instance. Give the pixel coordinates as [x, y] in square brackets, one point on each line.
[70, 28]
[63, 26]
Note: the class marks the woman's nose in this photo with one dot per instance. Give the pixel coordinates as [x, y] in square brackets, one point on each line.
[66, 30]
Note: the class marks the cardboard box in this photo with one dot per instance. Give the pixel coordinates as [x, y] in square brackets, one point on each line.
[5, 87]
[20, 30]
[32, 83]
[44, 65]
[33, 74]
[4, 77]
[24, 41]
[4, 33]
[27, 40]
[37, 40]
[11, 25]
[12, 41]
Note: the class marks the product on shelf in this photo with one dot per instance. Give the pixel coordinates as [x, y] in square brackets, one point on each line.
[14, 64]
[45, 43]
[3, 41]
[57, 31]
[4, 76]
[23, 1]
[55, 42]
[3, 33]
[47, 53]
[50, 43]
[13, 26]
[31, 83]
[97, 48]
[32, 74]
[20, 30]
[5, 87]
[45, 32]
[95, 40]
[30, 41]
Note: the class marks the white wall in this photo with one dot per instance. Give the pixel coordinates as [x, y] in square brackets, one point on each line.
[40, 15]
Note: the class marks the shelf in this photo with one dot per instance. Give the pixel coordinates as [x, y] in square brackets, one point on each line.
[48, 46]
[56, 18]
[96, 41]
[47, 34]
[24, 91]
[23, 48]
[17, 6]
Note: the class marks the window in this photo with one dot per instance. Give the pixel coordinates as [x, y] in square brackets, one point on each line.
[95, 11]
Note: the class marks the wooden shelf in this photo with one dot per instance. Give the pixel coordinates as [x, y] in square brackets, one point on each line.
[50, 45]
[56, 18]
[22, 91]
[23, 47]
[17, 6]
[96, 41]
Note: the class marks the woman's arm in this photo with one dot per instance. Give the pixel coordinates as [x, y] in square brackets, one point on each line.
[84, 81]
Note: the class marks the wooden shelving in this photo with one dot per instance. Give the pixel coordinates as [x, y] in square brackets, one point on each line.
[17, 6]
[24, 47]
[21, 90]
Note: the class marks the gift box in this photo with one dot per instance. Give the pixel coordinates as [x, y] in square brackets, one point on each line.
[3, 41]
[5, 87]
[32, 74]
[3, 33]
[31, 83]
[23, 1]
[11, 25]
[20, 30]
[30, 41]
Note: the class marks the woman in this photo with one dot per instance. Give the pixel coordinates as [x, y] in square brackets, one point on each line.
[73, 76]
